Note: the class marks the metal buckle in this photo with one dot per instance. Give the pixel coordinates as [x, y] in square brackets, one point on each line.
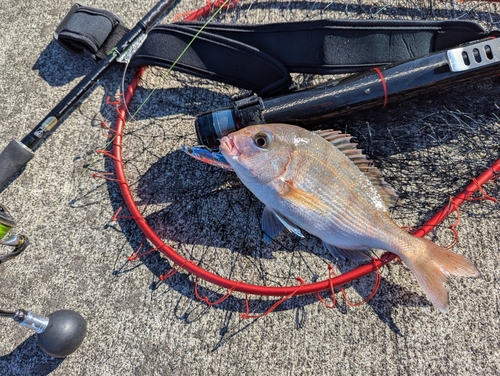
[473, 56]
[126, 55]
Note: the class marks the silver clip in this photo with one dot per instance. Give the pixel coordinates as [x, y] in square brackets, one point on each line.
[125, 56]
[474, 56]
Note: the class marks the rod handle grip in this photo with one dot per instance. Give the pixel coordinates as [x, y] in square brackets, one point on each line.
[12, 160]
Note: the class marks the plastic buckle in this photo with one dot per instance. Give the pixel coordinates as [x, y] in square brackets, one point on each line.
[475, 55]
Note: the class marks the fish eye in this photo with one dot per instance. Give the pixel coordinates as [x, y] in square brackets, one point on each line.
[262, 140]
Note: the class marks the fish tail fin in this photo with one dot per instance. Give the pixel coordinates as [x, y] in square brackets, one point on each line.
[432, 265]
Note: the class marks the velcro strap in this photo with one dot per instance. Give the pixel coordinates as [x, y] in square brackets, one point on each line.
[91, 30]
[260, 57]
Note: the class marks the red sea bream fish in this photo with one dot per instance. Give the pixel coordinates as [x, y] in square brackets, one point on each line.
[320, 182]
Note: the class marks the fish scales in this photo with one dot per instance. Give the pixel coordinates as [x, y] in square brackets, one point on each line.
[308, 182]
[327, 173]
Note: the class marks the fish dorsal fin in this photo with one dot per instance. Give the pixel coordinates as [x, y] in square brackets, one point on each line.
[342, 141]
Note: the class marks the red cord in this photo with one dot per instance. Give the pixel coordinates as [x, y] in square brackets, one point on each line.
[384, 85]
[194, 15]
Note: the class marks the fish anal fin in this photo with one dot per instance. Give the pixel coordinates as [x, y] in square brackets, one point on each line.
[342, 141]
[350, 254]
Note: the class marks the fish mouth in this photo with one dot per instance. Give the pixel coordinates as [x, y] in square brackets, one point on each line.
[228, 146]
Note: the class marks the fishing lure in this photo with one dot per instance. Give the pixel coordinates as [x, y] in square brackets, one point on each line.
[204, 154]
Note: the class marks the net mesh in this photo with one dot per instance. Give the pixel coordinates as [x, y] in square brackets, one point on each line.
[428, 149]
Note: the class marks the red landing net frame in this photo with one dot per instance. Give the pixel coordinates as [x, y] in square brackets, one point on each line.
[285, 292]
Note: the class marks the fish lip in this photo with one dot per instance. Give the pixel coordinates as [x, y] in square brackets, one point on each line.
[228, 146]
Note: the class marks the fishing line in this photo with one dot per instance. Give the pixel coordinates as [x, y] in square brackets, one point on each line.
[169, 70]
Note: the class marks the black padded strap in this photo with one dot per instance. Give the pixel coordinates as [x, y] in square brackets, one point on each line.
[259, 57]
[95, 31]
[344, 46]
[214, 57]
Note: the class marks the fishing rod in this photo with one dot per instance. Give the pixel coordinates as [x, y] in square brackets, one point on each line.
[62, 332]
[18, 153]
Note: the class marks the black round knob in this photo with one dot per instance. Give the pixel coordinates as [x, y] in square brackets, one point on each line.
[64, 333]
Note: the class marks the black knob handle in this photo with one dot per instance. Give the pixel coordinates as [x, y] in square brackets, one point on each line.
[64, 333]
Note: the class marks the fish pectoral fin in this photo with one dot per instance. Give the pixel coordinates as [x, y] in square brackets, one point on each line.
[289, 225]
[350, 254]
[273, 223]
[301, 198]
[271, 226]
